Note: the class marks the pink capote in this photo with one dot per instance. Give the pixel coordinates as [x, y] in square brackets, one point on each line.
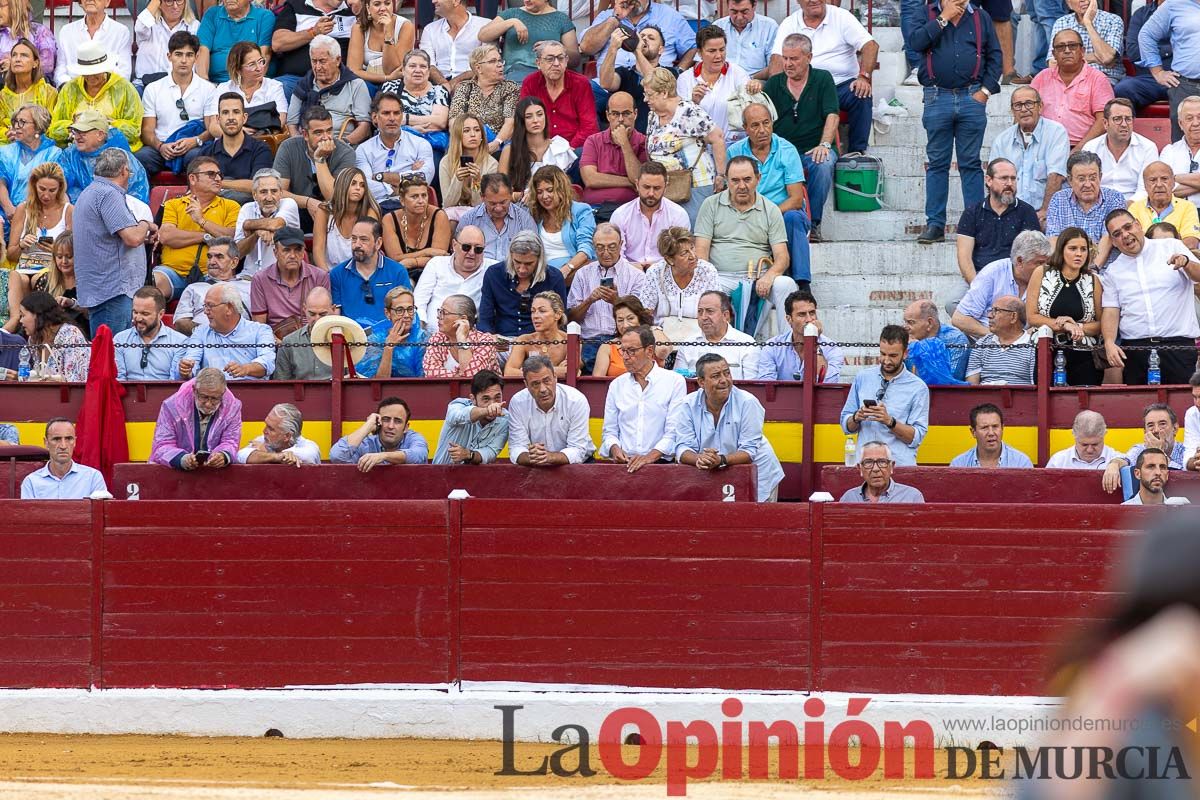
[100, 430]
[175, 431]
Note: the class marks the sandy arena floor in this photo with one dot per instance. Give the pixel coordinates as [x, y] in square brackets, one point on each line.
[36, 767]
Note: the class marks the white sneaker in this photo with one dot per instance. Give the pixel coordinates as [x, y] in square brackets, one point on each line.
[911, 79]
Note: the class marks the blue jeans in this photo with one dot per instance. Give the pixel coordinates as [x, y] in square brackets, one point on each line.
[859, 112]
[913, 14]
[115, 312]
[796, 225]
[819, 179]
[1141, 90]
[954, 123]
[289, 84]
[1044, 14]
[692, 206]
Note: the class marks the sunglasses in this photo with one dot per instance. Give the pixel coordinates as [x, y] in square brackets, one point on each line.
[368, 294]
[183, 115]
[391, 156]
[526, 303]
[145, 355]
[477, 249]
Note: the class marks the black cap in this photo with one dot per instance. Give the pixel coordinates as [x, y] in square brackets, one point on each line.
[287, 235]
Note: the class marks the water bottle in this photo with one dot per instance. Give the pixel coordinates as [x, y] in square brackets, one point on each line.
[1154, 374]
[24, 368]
[1060, 368]
[851, 452]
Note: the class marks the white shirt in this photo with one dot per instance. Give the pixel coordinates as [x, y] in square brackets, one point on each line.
[159, 100]
[372, 158]
[1155, 299]
[1136, 500]
[271, 91]
[260, 256]
[562, 429]
[687, 8]
[451, 54]
[1067, 459]
[115, 37]
[835, 42]
[438, 281]
[305, 449]
[641, 420]
[152, 37]
[1179, 156]
[742, 360]
[1124, 175]
[1191, 430]
[716, 102]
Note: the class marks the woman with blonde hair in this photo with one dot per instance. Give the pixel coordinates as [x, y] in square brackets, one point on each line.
[334, 219]
[24, 84]
[153, 28]
[466, 161]
[29, 148]
[549, 336]
[488, 95]
[266, 105]
[378, 42]
[43, 216]
[673, 285]
[565, 225]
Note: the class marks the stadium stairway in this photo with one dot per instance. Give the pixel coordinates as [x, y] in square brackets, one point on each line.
[870, 266]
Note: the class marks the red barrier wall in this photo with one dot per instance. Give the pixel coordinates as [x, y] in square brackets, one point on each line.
[925, 599]
[961, 485]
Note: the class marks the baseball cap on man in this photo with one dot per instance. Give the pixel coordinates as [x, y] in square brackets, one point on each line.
[89, 120]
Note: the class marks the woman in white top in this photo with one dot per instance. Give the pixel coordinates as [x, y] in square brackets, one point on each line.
[532, 148]
[266, 106]
[466, 161]
[673, 286]
[378, 42]
[152, 30]
[714, 80]
[334, 220]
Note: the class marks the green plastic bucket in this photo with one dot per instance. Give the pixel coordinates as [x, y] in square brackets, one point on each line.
[856, 183]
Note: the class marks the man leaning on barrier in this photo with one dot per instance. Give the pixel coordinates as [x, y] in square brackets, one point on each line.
[876, 467]
[476, 427]
[281, 442]
[200, 426]
[384, 438]
[548, 420]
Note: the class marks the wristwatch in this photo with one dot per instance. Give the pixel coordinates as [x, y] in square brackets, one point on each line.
[208, 238]
[891, 426]
[379, 176]
[826, 145]
[942, 21]
[724, 462]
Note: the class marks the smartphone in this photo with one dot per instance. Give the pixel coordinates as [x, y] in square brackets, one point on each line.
[607, 283]
[202, 456]
[870, 403]
[466, 161]
[46, 239]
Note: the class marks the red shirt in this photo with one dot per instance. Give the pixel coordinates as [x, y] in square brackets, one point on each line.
[573, 115]
[600, 152]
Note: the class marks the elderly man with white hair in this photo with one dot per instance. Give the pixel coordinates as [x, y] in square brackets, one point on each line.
[1089, 450]
[875, 465]
[260, 220]
[241, 348]
[331, 84]
[200, 426]
[1007, 276]
[281, 442]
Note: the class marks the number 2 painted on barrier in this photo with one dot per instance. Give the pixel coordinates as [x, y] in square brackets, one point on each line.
[728, 493]
[133, 491]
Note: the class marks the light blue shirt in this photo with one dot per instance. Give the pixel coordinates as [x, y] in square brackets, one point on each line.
[740, 427]
[413, 445]
[1010, 458]
[373, 156]
[677, 34]
[750, 49]
[78, 484]
[906, 399]
[1177, 21]
[162, 363]
[248, 341]
[783, 166]
[496, 242]
[486, 439]
[1047, 153]
[993, 281]
[781, 362]
[1176, 459]
[8, 433]
[895, 493]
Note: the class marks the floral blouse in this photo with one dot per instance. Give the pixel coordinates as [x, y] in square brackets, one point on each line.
[69, 356]
[42, 38]
[494, 109]
[660, 291]
[440, 363]
[680, 144]
[419, 105]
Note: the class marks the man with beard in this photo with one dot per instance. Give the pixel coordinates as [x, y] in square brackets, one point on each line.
[384, 438]
[720, 425]
[612, 159]
[281, 442]
[361, 283]
[1037, 147]
[308, 163]
[628, 78]
[258, 222]
[1160, 205]
[678, 37]
[641, 221]
[238, 155]
[392, 152]
[986, 231]
[990, 451]
[1148, 303]
[1124, 155]
[152, 361]
[887, 403]
[1151, 473]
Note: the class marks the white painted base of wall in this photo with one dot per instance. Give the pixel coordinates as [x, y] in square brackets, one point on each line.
[468, 711]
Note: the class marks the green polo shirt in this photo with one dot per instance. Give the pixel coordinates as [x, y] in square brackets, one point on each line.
[739, 236]
[802, 121]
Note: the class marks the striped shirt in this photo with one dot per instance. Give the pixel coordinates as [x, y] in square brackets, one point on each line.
[1004, 364]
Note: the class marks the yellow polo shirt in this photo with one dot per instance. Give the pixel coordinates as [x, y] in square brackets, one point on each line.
[1183, 216]
[220, 211]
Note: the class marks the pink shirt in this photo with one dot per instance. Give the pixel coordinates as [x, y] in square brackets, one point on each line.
[600, 152]
[640, 234]
[1074, 107]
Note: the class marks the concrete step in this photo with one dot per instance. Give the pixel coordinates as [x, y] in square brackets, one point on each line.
[908, 194]
[890, 39]
[885, 225]
[908, 132]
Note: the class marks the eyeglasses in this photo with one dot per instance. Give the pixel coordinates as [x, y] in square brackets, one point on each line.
[1191, 164]
[1026, 105]
[477, 249]
[214, 306]
[183, 115]
[491, 61]
[404, 311]
[209, 173]
[411, 179]
[209, 398]
[993, 311]
[443, 313]
[21, 123]
[559, 59]
[612, 113]
[368, 294]
[1058, 48]
[626, 352]
[874, 463]
[254, 64]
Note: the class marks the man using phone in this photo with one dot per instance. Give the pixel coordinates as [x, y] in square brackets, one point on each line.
[887, 403]
[597, 286]
[384, 438]
[200, 426]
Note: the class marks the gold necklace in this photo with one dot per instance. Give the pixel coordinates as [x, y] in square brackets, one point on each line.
[408, 245]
